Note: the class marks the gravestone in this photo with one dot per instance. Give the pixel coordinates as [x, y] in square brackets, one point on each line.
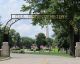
[5, 49]
[77, 49]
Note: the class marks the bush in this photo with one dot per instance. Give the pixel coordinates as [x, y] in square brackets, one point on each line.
[15, 48]
[22, 51]
[15, 51]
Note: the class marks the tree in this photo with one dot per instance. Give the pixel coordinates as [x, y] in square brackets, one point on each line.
[1, 35]
[14, 38]
[70, 7]
[41, 40]
[12, 33]
[11, 37]
[18, 39]
[49, 42]
[27, 42]
[62, 37]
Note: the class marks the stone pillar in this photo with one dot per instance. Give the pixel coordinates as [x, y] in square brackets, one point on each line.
[77, 49]
[5, 49]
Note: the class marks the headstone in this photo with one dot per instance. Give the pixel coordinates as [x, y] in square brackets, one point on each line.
[77, 49]
[5, 49]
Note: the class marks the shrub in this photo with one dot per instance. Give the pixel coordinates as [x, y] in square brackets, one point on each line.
[22, 51]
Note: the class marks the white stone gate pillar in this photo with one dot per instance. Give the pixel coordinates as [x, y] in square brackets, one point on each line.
[5, 50]
[77, 49]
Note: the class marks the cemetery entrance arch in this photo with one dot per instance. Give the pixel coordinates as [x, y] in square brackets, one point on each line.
[15, 17]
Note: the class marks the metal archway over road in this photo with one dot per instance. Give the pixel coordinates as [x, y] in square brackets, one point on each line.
[15, 17]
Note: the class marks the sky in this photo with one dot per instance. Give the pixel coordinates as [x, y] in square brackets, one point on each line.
[24, 27]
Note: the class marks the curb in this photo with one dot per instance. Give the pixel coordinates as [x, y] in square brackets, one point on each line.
[5, 59]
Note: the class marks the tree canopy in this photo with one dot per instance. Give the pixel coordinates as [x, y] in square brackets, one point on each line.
[69, 7]
[41, 40]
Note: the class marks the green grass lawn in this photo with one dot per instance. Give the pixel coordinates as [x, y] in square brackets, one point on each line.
[53, 52]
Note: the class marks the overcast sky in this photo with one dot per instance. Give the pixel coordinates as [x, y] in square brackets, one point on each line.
[24, 27]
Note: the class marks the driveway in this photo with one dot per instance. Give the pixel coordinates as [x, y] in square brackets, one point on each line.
[39, 59]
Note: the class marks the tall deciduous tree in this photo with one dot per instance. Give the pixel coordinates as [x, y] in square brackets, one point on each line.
[1, 35]
[27, 42]
[69, 7]
[14, 38]
[41, 40]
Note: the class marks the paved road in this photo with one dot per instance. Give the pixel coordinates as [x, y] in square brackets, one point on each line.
[39, 59]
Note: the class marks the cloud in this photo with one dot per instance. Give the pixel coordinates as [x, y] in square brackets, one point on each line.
[9, 7]
[24, 27]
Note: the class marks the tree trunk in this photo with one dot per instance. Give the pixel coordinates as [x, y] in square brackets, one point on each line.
[66, 51]
[72, 43]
